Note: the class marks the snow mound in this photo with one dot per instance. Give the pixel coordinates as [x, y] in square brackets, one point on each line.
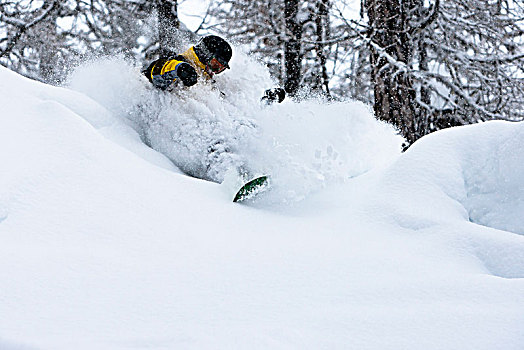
[116, 129]
[471, 175]
[216, 131]
[493, 176]
[481, 167]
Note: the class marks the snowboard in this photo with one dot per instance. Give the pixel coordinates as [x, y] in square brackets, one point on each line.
[252, 188]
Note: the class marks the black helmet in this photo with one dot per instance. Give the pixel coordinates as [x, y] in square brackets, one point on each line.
[213, 46]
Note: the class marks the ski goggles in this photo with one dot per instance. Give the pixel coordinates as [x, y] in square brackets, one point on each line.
[216, 67]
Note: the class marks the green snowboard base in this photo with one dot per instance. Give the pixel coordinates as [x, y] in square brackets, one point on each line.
[252, 188]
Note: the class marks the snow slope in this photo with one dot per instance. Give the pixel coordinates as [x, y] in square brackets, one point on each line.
[104, 244]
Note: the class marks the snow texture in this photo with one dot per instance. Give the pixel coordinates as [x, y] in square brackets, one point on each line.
[105, 244]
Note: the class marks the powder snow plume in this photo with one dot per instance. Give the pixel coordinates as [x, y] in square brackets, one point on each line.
[216, 131]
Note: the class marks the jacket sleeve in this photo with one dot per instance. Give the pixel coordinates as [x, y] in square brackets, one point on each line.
[163, 72]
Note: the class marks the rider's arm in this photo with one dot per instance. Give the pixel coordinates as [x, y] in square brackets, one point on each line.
[163, 72]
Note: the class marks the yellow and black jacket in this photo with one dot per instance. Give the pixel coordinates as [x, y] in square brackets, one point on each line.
[185, 67]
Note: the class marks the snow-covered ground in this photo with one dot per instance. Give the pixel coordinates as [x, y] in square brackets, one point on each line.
[106, 244]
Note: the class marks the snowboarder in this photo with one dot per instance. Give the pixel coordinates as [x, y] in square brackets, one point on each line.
[210, 56]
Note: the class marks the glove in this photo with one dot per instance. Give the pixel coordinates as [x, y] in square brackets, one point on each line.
[183, 71]
[274, 95]
[186, 73]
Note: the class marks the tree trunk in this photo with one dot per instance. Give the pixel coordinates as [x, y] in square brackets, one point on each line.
[322, 28]
[394, 94]
[48, 54]
[292, 45]
[168, 24]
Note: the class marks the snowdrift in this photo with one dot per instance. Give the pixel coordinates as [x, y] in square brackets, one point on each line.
[105, 244]
[479, 166]
[471, 174]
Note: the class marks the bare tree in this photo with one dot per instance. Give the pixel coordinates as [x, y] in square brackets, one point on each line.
[475, 62]
[16, 21]
[42, 38]
[171, 33]
[292, 47]
[294, 38]
[394, 90]
[446, 64]
[323, 31]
